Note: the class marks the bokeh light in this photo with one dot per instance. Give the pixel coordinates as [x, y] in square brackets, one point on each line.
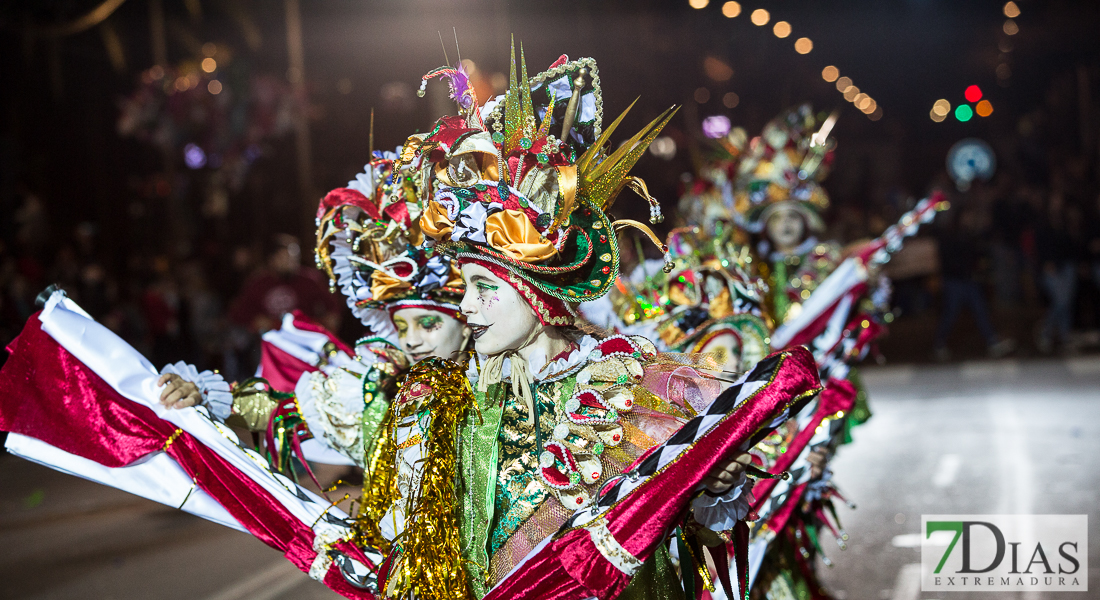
[698, 3]
[1011, 28]
[830, 73]
[717, 69]
[876, 115]
[803, 45]
[1004, 71]
[941, 107]
[702, 95]
[716, 126]
[663, 147]
[937, 117]
[760, 17]
[209, 65]
[984, 108]
[973, 93]
[1011, 10]
[964, 113]
[214, 87]
[194, 156]
[843, 83]
[731, 9]
[781, 29]
[851, 93]
[731, 100]
[868, 106]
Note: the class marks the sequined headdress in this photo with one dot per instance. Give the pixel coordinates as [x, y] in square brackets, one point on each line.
[784, 167]
[370, 244]
[507, 194]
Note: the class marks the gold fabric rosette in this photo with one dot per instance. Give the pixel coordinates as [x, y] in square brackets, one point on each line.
[511, 232]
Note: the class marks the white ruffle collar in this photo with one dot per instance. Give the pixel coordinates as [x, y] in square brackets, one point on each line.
[538, 366]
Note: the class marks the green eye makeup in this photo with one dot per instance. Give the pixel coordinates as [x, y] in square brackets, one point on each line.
[430, 322]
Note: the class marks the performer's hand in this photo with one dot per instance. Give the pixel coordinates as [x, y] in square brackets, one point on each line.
[817, 460]
[178, 393]
[725, 474]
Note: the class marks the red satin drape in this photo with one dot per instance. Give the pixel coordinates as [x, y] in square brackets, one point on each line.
[48, 394]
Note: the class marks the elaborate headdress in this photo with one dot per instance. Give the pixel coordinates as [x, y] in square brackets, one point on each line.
[370, 244]
[504, 192]
[784, 167]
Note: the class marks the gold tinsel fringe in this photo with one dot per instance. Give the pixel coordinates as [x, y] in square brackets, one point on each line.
[431, 565]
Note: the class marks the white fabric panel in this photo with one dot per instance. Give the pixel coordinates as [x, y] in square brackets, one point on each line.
[316, 451]
[158, 479]
[306, 346]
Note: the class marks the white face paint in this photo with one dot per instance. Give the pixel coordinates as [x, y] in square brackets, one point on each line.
[786, 229]
[501, 320]
[423, 332]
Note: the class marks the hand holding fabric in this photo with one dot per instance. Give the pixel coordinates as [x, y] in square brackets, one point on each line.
[177, 392]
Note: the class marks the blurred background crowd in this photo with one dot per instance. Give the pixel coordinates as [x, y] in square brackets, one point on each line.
[161, 160]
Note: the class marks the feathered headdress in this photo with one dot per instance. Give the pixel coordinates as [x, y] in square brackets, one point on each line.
[506, 192]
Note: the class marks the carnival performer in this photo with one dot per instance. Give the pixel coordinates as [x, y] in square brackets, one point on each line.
[562, 472]
[833, 302]
[711, 302]
[370, 246]
[561, 415]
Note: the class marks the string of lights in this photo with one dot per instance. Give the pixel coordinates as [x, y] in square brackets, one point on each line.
[802, 45]
[982, 107]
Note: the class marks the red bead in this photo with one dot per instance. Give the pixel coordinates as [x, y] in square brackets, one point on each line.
[606, 270]
[615, 437]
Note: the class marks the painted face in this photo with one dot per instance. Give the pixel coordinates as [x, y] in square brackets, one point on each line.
[423, 332]
[786, 228]
[501, 320]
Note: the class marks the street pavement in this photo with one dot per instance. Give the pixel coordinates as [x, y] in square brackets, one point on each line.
[997, 437]
[977, 438]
